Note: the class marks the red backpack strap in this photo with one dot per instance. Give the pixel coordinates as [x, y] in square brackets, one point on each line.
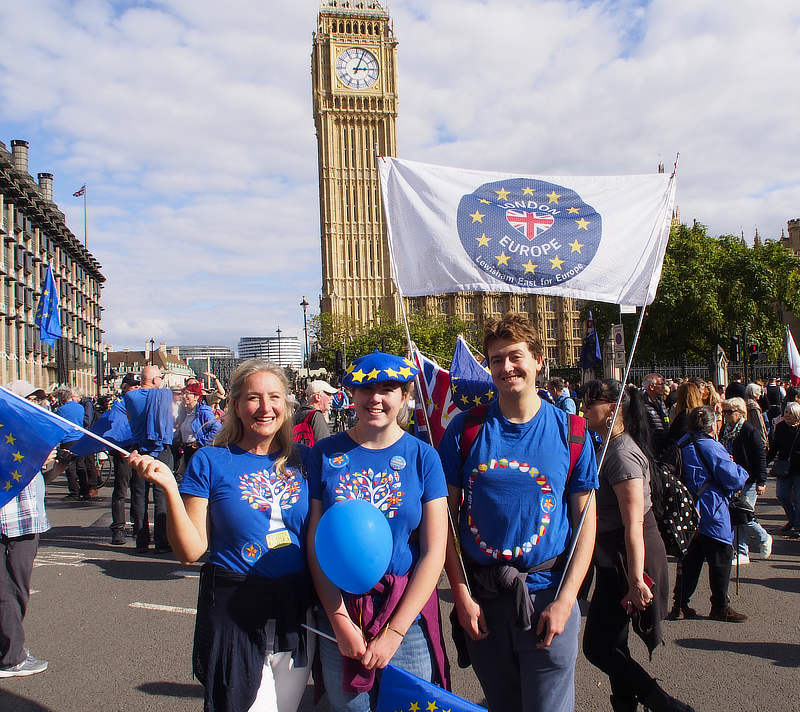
[472, 426]
[577, 437]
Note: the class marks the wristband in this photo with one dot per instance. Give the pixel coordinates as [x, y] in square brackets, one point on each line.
[394, 630]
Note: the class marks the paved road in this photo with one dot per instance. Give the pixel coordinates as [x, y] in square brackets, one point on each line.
[116, 628]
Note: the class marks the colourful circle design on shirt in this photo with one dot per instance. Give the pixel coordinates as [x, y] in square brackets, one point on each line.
[340, 459]
[252, 552]
[547, 504]
[397, 463]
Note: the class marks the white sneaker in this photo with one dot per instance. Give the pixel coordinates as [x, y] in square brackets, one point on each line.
[29, 666]
[741, 559]
[766, 550]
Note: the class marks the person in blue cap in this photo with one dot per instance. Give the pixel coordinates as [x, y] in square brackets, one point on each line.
[377, 461]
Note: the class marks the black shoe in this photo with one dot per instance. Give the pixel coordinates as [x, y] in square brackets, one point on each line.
[688, 613]
[727, 615]
[786, 528]
[624, 704]
[673, 615]
[660, 701]
[72, 498]
[142, 548]
[118, 537]
[164, 549]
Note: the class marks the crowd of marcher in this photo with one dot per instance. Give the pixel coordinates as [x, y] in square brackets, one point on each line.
[241, 477]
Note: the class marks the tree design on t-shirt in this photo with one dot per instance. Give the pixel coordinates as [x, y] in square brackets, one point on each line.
[381, 489]
[270, 492]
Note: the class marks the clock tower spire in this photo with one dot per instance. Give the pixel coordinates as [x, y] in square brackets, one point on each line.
[354, 88]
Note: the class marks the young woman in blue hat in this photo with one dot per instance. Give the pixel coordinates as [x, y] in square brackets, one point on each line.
[376, 460]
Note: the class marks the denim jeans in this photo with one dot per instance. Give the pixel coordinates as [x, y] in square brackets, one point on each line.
[752, 527]
[413, 655]
[514, 673]
[788, 492]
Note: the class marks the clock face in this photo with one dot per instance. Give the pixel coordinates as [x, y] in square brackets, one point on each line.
[357, 68]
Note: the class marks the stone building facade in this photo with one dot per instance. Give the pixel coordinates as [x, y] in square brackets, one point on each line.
[355, 103]
[34, 234]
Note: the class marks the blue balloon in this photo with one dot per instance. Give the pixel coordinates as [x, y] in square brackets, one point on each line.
[353, 545]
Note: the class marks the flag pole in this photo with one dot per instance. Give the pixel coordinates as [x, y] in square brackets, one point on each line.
[424, 409]
[84, 217]
[50, 414]
[626, 373]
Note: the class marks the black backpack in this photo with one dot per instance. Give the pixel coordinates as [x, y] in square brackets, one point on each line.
[673, 503]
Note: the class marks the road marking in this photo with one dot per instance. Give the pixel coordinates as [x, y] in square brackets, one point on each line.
[160, 607]
[185, 573]
[59, 558]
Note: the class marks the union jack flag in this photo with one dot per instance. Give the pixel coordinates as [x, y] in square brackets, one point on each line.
[78, 193]
[528, 223]
[436, 397]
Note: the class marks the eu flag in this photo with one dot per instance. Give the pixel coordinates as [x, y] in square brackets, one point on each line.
[27, 435]
[590, 351]
[470, 382]
[113, 425]
[401, 691]
[47, 318]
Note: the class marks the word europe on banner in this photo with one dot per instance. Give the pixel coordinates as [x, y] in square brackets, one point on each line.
[600, 238]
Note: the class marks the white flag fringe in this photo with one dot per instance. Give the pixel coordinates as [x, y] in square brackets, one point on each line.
[599, 238]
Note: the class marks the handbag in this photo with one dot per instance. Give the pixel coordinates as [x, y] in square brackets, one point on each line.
[780, 468]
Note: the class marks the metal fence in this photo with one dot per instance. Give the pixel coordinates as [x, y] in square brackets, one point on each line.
[750, 372]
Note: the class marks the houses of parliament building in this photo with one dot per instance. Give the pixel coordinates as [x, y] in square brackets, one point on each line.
[355, 98]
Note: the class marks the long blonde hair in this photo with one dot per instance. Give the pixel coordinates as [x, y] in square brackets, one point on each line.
[232, 431]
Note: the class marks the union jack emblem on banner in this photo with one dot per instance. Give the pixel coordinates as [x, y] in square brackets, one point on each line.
[529, 223]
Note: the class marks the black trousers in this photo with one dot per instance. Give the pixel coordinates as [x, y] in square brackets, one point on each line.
[122, 481]
[605, 639]
[718, 555]
[16, 564]
[140, 519]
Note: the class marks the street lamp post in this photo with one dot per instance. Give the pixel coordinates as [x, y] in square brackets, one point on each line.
[304, 304]
[279, 345]
[152, 346]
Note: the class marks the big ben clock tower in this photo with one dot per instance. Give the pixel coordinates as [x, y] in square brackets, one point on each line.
[354, 77]
[354, 86]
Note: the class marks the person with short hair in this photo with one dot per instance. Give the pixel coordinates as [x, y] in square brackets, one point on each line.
[245, 500]
[712, 477]
[122, 470]
[786, 446]
[746, 447]
[198, 426]
[318, 399]
[653, 387]
[517, 502]
[78, 470]
[561, 397]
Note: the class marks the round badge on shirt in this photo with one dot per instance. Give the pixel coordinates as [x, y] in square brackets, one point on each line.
[340, 459]
[397, 463]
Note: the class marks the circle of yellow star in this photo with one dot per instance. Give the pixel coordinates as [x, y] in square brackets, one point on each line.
[556, 262]
[502, 258]
[10, 439]
[15, 474]
[358, 376]
[477, 216]
[8, 485]
[373, 374]
[553, 197]
[486, 202]
[573, 211]
[405, 372]
[576, 246]
[527, 191]
[583, 224]
[391, 372]
[530, 267]
[483, 241]
[502, 194]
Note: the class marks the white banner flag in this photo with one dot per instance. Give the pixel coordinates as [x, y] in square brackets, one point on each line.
[794, 357]
[451, 230]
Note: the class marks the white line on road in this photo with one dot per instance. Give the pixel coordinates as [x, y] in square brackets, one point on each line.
[185, 573]
[160, 607]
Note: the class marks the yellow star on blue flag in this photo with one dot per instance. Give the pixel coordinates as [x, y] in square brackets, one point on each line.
[36, 433]
[400, 690]
[47, 318]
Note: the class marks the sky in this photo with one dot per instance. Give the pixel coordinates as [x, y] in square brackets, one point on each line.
[190, 122]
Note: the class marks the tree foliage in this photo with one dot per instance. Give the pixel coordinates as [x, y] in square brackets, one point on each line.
[711, 289]
[434, 334]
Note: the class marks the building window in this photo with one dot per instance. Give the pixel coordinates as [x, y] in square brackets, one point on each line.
[577, 329]
[552, 328]
[552, 353]
[550, 304]
[497, 305]
[444, 306]
[469, 305]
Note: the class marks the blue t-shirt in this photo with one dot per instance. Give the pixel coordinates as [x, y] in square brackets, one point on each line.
[258, 518]
[74, 413]
[514, 479]
[398, 480]
[150, 415]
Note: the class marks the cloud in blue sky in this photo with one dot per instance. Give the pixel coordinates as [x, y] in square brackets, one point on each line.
[190, 122]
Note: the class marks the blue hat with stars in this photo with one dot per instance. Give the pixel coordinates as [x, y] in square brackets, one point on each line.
[379, 367]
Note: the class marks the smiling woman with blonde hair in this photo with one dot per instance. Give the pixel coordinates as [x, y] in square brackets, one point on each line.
[245, 500]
